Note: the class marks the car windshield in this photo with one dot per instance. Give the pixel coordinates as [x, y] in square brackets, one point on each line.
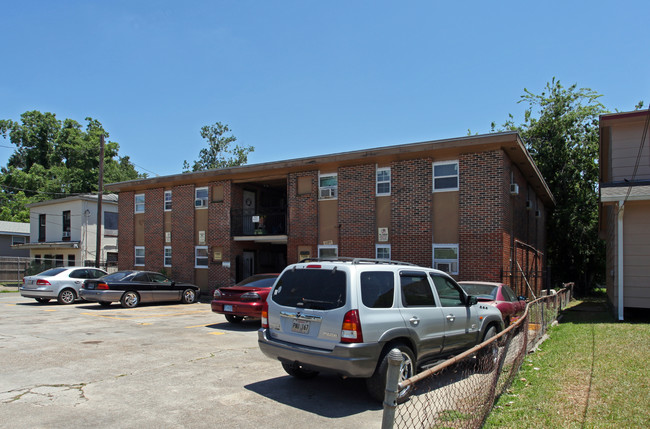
[116, 277]
[258, 281]
[481, 291]
[313, 289]
[52, 272]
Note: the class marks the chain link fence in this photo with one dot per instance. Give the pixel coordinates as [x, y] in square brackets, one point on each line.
[14, 269]
[460, 392]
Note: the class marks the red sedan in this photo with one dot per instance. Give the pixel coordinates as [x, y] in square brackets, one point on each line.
[245, 299]
[499, 295]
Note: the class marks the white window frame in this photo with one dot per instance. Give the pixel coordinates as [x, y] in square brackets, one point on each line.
[18, 239]
[167, 203]
[135, 253]
[378, 182]
[197, 249]
[382, 246]
[139, 206]
[328, 247]
[331, 190]
[167, 259]
[453, 263]
[202, 202]
[457, 176]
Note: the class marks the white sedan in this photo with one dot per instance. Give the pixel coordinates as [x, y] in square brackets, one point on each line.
[61, 283]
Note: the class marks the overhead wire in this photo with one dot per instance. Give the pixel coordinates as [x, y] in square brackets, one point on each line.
[638, 160]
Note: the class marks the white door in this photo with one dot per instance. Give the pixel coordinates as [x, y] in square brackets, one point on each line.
[249, 212]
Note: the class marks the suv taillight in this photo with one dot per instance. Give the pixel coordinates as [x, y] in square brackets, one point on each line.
[265, 315]
[41, 282]
[351, 328]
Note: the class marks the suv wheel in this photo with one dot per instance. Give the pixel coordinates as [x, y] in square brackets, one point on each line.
[376, 384]
[488, 357]
[295, 370]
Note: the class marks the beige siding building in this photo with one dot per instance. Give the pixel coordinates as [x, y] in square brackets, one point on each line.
[625, 209]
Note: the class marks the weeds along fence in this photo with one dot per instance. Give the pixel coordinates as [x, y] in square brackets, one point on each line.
[460, 392]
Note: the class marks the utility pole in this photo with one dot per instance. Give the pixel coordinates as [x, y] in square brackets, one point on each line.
[100, 197]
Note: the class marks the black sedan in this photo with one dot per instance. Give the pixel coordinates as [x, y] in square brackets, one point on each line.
[131, 288]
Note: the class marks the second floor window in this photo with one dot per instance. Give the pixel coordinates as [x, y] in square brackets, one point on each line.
[327, 186]
[201, 198]
[110, 224]
[139, 255]
[66, 225]
[139, 203]
[383, 181]
[445, 176]
[168, 200]
[201, 257]
[41, 227]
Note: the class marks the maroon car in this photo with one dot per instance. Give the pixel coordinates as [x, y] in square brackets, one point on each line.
[245, 299]
[499, 295]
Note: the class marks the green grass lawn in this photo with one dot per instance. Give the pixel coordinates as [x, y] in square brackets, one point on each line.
[593, 372]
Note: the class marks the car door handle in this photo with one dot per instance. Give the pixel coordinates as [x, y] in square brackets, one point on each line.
[451, 317]
[414, 321]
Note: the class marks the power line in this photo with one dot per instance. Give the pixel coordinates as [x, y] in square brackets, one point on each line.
[638, 159]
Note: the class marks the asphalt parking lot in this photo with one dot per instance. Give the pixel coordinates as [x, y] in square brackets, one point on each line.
[161, 366]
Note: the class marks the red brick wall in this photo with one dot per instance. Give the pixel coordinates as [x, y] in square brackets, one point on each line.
[126, 231]
[410, 233]
[356, 211]
[219, 236]
[154, 235]
[302, 221]
[482, 209]
[183, 233]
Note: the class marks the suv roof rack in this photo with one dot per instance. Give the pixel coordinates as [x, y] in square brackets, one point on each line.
[357, 261]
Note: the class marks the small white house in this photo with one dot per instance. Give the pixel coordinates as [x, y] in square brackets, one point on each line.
[63, 232]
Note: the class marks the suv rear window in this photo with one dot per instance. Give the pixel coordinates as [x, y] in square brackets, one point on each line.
[312, 289]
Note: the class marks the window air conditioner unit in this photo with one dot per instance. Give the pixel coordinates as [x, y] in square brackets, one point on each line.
[327, 193]
[443, 266]
[66, 234]
[514, 189]
[200, 203]
[529, 204]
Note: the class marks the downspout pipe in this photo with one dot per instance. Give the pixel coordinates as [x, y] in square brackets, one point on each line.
[619, 262]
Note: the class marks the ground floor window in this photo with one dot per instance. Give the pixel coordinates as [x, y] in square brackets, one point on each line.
[168, 256]
[382, 251]
[139, 256]
[445, 258]
[201, 257]
[328, 251]
[71, 261]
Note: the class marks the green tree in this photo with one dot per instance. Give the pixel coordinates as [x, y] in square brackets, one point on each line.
[560, 129]
[219, 154]
[55, 159]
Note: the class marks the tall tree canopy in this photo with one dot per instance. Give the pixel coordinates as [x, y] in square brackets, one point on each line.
[54, 159]
[560, 129]
[219, 154]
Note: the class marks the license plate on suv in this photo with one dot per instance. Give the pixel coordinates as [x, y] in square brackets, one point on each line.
[300, 326]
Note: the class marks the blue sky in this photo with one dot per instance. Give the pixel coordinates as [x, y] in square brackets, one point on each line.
[303, 78]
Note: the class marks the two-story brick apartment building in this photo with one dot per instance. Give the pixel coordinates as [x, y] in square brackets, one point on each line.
[625, 209]
[473, 206]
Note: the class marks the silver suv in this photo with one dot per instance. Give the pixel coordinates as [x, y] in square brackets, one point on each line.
[343, 316]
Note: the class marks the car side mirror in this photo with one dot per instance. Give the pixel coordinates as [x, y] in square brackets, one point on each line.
[471, 300]
[173, 283]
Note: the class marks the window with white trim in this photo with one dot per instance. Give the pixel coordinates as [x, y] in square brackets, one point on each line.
[383, 181]
[201, 198]
[445, 258]
[328, 251]
[201, 257]
[18, 239]
[167, 256]
[445, 176]
[139, 203]
[327, 186]
[139, 256]
[168, 201]
[382, 251]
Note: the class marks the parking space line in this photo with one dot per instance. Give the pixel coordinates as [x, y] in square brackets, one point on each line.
[199, 326]
[107, 317]
[216, 333]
